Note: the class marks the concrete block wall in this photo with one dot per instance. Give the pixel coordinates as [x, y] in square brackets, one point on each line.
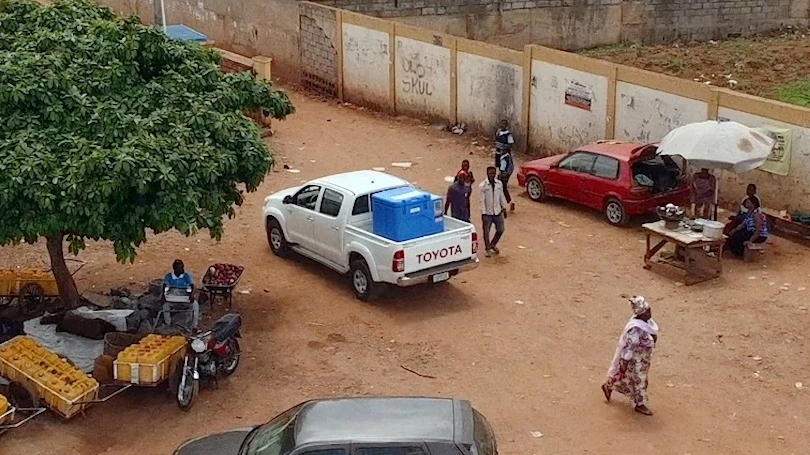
[250, 27]
[668, 20]
[409, 8]
[650, 21]
[318, 49]
[273, 27]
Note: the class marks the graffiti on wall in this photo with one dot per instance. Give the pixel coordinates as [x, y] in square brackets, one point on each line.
[416, 76]
[487, 92]
[370, 53]
[650, 119]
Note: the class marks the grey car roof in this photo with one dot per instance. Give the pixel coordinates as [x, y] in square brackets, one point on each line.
[227, 442]
[389, 419]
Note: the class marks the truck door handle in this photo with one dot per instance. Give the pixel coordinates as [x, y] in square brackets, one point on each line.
[310, 218]
[335, 228]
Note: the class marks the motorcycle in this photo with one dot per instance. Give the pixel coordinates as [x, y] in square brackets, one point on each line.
[209, 355]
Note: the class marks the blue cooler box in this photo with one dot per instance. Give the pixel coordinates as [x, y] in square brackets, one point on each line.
[406, 213]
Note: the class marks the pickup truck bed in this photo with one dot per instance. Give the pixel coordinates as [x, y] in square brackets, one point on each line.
[424, 256]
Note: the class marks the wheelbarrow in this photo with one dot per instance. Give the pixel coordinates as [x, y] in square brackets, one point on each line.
[219, 282]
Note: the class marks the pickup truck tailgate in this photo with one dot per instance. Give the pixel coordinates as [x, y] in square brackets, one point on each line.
[439, 249]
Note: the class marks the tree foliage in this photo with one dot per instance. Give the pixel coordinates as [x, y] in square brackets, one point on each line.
[110, 129]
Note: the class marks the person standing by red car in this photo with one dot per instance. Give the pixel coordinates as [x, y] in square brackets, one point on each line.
[505, 169]
[504, 141]
[458, 197]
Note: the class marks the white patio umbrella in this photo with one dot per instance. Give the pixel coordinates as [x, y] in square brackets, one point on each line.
[715, 144]
[719, 145]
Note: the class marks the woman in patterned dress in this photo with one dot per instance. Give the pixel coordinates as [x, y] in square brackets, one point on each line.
[631, 363]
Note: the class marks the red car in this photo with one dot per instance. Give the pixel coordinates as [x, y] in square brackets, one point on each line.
[622, 179]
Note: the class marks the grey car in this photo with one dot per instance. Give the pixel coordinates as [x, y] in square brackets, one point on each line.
[360, 426]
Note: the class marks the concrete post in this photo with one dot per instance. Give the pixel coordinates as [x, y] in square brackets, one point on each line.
[158, 10]
[263, 68]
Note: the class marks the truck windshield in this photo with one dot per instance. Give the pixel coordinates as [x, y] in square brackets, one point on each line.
[276, 437]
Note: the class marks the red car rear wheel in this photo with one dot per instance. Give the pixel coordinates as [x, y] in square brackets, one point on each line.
[614, 212]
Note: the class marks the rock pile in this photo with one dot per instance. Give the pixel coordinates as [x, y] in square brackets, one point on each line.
[145, 306]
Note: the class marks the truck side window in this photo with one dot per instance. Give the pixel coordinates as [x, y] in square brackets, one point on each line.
[361, 205]
[331, 202]
[307, 197]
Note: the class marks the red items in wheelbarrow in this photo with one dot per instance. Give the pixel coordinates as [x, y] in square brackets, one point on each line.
[219, 281]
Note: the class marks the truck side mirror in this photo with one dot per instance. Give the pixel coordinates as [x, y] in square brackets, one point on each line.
[287, 200]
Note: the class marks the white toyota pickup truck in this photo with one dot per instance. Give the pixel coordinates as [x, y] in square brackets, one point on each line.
[329, 221]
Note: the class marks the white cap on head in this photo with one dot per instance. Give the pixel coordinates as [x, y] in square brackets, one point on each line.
[639, 304]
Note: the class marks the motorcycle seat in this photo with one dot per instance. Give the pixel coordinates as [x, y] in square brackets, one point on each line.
[226, 326]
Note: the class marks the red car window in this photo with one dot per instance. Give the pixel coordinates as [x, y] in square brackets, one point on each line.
[606, 167]
[579, 162]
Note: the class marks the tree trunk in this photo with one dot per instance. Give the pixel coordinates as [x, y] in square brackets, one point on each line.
[64, 280]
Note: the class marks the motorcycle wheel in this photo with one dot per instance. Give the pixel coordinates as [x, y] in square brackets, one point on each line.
[229, 365]
[188, 391]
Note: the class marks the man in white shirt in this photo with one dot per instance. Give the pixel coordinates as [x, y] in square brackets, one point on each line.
[493, 210]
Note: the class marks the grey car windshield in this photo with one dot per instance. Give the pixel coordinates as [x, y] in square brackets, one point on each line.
[276, 437]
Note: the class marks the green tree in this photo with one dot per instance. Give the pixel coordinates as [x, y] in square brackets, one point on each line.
[111, 130]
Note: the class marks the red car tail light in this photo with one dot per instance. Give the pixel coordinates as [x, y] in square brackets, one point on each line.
[398, 263]
[474, 242]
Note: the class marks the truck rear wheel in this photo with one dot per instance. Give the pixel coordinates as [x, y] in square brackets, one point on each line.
[365, 288]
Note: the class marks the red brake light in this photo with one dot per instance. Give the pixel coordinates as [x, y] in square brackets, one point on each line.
[474, 242]
[398, 263]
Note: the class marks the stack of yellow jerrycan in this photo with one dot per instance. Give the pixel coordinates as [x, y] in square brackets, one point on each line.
[149, 361]
[8, 282]
[64, 388]
[5, 410]
[10, 278]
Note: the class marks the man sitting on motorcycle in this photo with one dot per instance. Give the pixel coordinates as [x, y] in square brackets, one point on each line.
[179, 283]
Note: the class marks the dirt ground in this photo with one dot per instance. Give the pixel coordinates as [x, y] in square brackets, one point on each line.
[527, 336]
[773, 66]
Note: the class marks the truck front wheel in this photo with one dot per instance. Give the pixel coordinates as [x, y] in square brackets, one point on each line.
[275, 238]
[365, 288]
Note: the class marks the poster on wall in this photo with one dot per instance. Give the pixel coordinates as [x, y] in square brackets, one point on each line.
[578, 96]
[779, 160]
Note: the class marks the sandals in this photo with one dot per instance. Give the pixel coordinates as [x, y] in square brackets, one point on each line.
[641, 409]
[607, 391]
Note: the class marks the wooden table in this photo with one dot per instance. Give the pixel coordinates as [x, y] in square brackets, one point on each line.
[697, 258]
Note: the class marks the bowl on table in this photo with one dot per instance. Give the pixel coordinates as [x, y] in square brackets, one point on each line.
[671, 216]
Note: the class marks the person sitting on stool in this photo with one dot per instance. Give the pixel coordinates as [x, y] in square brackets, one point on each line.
[180, 279]
[753, 229]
